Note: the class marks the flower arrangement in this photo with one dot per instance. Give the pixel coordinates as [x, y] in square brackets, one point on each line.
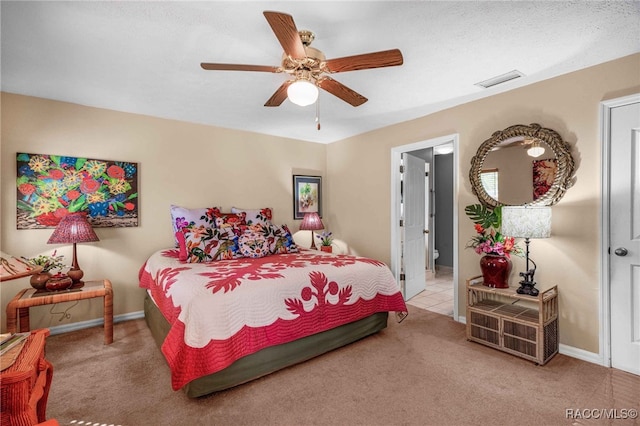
[326, 238]
[488, 239]
[48, 262]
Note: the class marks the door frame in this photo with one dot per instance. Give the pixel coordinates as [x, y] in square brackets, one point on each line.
[605, 284]
[396, 153]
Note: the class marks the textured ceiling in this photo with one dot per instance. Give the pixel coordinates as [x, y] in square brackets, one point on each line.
[144, 57]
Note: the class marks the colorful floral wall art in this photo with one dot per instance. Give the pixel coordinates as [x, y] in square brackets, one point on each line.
[52, 186]
[544, 173]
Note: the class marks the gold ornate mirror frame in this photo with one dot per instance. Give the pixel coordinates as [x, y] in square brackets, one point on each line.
[561, 149]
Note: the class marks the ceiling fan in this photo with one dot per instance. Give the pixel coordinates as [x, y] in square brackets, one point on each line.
[308, 66]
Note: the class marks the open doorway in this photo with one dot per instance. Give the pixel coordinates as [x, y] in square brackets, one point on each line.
[424, 230]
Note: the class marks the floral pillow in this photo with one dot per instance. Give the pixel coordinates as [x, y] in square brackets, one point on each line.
[229, 220]
[253, 244]
[255, 216]
[279, 239]
[205, 244]
[182, 217]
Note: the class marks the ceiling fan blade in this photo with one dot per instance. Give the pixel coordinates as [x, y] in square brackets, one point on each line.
[285, 30]
[238, 67]
[279, 96]
[341, 91]
[385, 58]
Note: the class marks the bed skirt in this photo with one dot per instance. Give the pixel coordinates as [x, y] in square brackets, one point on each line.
[270, 359]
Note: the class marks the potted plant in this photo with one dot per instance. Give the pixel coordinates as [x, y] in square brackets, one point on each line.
[48, 264]
[326, 239]
[495, 248]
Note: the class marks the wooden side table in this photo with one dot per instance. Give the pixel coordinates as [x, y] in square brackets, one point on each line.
[25, 384]
[18, 307]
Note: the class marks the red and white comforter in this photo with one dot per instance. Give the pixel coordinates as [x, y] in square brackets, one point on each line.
[222, 311]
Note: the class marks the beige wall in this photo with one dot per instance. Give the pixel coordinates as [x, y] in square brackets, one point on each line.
[359, 169]
[179, 163]
[195, 165]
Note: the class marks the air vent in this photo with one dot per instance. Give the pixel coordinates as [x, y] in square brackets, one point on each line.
[511, 75]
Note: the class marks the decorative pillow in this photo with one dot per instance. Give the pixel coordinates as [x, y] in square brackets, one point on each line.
[279, 239]
[226, 220]
[204, 244]
[253, 244]
[182, 245]
[182, 217]
[255, 216]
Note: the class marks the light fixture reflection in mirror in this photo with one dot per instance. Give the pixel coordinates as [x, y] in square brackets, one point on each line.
[536, 150]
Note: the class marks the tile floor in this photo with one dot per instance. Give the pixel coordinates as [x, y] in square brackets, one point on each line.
[438, 293]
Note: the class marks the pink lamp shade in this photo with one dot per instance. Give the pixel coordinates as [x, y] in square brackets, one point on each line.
[311, 222]
[74, 228]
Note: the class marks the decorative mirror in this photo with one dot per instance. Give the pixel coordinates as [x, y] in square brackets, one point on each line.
[522, 165]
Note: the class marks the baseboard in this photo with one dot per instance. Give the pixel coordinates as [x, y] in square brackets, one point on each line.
[66, 328]
[580, 354]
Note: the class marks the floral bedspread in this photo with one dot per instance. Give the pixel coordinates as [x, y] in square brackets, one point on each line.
[222, 311]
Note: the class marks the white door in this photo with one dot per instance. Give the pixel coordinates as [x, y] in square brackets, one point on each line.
[624, 236]
[414, 226]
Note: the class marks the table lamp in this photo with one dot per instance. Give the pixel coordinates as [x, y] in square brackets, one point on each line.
[526, 222]
[311, 222]
[74, 228]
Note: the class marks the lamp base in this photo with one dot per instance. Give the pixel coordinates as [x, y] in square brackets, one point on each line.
[76, 275]
[527, 287]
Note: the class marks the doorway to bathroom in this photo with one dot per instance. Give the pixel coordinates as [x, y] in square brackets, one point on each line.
[424, 223]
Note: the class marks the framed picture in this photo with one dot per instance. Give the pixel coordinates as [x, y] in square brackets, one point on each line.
[307, 195]
[52, 186]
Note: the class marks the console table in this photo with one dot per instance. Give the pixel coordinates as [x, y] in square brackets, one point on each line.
[18, 307]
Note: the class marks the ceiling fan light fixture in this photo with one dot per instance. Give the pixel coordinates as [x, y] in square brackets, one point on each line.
[302, 92]
[536, 150]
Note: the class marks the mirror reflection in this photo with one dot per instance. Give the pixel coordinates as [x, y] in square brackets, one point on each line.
[518, 171]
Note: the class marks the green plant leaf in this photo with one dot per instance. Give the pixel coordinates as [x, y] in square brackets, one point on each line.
[484, 216]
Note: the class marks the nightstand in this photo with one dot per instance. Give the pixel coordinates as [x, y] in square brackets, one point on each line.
[18, 307]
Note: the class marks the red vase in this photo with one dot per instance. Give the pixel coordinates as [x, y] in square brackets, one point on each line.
[328, 249]
[495, 270]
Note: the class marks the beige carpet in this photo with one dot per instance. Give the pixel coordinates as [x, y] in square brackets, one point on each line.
[420, 372]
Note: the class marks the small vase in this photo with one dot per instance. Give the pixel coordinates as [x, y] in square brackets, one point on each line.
[495, 270]
[328, 249]
[39, 281]
[58, 282]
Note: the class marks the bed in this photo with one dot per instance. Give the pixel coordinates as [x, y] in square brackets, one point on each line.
[225, 322]
[237, 299]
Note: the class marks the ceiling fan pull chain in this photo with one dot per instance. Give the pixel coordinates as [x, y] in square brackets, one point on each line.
[318, 112]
